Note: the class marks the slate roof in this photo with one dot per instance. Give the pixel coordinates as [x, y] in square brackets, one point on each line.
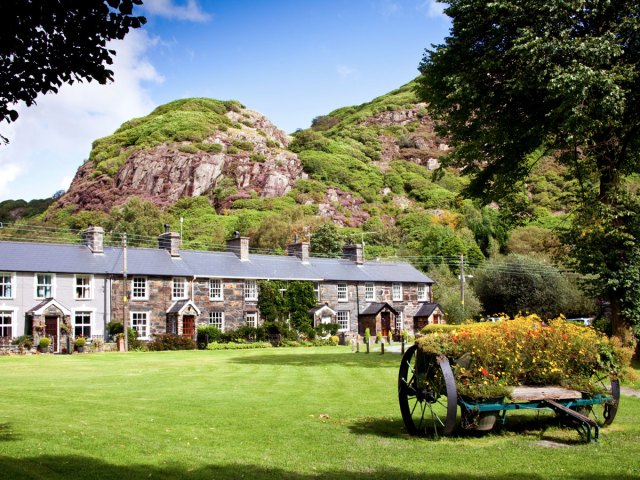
[376, 307]
[56, 258]
[426, 309]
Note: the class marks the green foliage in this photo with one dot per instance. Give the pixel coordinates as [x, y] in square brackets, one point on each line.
[12, 210]
[244, 146]
[517, 284]
[44, 343]
[209, 147]
[367, 335]
[187, 120]
[138, 218]
[440, 241]
[574, 60]
[446, 292]
[80, 342]
[257, 157]
[326, 241]
[280, 301]
[169, 341]
[238, 346]
[327, 329]
[24, 342]
[207, 334]
[114, 328]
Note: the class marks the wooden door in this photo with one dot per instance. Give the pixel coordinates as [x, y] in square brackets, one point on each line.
[51, 330]
[385, 323]
[188, 325]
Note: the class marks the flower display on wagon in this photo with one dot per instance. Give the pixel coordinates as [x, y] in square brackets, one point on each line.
[489, 359]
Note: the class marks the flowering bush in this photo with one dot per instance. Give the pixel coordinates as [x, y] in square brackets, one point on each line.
[490, 358]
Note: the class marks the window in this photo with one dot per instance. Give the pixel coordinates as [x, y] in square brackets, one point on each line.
[140, 323]
[44, 285]
[215, 289]
[82, 324]
[251, 319]
[83, 287]
[422, 292]
[6, 285]
[396, 291]
[139, 288]
[316, 290]
[400, 321]
[342, 317]
[369, 292]
[179, 288]
[342, 292]
[6, 324]
[250, 290]
[216, 319]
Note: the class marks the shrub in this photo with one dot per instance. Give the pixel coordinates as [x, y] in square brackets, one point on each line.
[44, 343]
[169, 341]
[132, 340]
[367, 335]
[327, 329]
[209, 147]
[257, 157]
[238, 346]
[115, 328]
[24, 342]
[80, 342]
[208, 334]
[244, 146]
[231, 150]
[187, 148]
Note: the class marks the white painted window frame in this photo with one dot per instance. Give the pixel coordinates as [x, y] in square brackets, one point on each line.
[254, 316]
[11, 284]
[12, 315]
[133, 288]
[36, 285]
[80, 311]
[396, 291]
[348, 320]
[345, 297]
[210, 319]
[147, 324]
[212, 289]
[369, 292]
[422, 290]
[178, 288]
[250, 290]
[84, 287]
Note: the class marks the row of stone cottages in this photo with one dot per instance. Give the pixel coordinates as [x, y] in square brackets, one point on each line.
[59, 290]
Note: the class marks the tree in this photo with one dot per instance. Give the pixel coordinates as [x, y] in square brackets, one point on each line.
[326, 241]
[446, 293]
[44, 44]
[517, 284]
[518, 80]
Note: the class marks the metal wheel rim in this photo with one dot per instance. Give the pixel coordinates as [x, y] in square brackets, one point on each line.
[428, 401]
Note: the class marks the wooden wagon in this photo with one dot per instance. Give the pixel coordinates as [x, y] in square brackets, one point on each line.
[429, 400]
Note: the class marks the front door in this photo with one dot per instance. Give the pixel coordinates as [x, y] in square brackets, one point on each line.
[385, 323]
[188, 326]
[51, 330]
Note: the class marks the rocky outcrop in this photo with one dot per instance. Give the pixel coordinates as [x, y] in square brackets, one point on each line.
[251, 155]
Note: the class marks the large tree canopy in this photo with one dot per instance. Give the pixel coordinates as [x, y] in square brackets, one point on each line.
[45, 43]
[517, 79]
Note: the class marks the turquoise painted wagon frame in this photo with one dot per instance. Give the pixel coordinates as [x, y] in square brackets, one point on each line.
[429, 401]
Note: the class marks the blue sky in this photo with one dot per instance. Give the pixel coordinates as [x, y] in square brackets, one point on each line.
[290, 60]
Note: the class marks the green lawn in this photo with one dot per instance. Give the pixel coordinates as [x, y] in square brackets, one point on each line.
[283, 413]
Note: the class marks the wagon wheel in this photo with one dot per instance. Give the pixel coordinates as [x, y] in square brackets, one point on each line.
[604, 413]
[427, 393]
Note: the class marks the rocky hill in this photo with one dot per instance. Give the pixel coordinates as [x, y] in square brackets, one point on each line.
[187, 148]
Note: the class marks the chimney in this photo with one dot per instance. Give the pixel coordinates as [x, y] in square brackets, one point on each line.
[353, 252]
[93, 237]
[239, 245]
[299, 249]
[170, 241]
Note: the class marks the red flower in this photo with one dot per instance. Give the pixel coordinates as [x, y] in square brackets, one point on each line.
[484, 371]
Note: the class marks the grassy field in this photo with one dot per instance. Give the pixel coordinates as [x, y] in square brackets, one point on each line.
[281, 413]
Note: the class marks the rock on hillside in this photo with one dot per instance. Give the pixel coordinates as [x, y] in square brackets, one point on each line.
[187, 148]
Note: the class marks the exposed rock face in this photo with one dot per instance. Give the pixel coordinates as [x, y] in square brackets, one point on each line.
[251, 155]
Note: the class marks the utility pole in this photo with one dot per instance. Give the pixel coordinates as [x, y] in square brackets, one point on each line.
[124, 295]
[462, 281]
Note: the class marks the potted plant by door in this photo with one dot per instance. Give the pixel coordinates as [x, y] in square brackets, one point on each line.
[44, 344]
[80, 342]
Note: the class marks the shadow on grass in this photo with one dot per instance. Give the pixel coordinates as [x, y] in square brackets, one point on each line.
[381, 427]
[7, 434]
[80, 467]
[315, 359]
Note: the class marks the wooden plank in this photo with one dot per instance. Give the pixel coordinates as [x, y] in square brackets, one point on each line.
[528, 394]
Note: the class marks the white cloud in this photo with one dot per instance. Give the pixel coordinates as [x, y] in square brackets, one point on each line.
[50, 140]
[432, 8]
[189, 11]
[389, 8]
[344, 71]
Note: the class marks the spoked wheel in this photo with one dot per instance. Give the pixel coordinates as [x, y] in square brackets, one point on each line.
[427, 393]
[604, 413]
